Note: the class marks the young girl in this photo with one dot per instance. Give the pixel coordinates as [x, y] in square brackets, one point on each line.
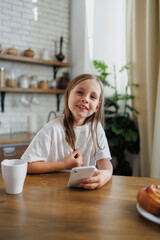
[77, 137]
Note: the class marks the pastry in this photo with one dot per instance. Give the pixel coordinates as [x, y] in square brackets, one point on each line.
[149, 199]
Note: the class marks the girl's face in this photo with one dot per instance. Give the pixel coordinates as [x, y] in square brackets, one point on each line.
[83, 100]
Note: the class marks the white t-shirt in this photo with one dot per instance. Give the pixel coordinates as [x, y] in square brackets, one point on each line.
[50, 144]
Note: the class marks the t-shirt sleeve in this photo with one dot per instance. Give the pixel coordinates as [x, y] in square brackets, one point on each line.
[39, 148]
[103, 151]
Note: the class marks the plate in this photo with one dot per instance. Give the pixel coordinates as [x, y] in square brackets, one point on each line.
[148, 215]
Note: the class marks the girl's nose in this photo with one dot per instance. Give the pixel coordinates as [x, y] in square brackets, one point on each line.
[85, 99]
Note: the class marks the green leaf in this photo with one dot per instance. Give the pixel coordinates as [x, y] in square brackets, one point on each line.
[134, 84]
[131, 135]
[100, 65]
[117, 131]
[125, 67]
[123, 96]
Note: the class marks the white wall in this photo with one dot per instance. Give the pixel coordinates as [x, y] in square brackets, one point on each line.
[108, 37]
[77, 36]
[109, 31]
[19, 28]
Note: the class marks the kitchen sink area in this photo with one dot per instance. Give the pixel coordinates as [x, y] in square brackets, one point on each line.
[13, 145]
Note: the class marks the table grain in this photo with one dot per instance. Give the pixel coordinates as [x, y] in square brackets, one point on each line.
[48, 209]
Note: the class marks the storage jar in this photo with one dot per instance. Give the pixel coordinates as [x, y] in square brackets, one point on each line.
[24, 83]
[2, 77]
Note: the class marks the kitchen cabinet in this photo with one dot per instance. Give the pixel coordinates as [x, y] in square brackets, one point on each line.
[12, 146]
[54, 64]
[16, 137]
[12, 151]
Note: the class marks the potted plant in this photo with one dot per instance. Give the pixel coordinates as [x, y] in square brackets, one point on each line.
[120, 128]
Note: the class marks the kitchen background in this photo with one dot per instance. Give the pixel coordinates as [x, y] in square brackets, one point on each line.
[38, 25]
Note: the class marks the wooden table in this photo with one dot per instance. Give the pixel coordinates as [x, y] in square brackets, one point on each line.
[48, 209]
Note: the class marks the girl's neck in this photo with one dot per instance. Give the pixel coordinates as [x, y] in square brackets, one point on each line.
[78, 124]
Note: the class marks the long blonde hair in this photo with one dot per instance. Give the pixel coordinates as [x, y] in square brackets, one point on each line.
[95, 117]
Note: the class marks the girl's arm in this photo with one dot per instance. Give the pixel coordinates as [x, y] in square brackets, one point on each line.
[44, 167]
[100, 177]
[73, 160]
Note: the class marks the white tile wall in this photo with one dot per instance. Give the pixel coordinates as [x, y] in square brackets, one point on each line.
[18, 27]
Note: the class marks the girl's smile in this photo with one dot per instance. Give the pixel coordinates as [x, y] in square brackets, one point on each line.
[81, 106]
[84, 100]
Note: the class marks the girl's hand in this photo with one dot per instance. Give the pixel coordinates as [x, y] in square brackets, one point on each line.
[73, 160]
[100, 177]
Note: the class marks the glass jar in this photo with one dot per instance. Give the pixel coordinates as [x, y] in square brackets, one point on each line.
[24, 82]
[43, 84]
[2, 77]
[11, 79]
[33, 82]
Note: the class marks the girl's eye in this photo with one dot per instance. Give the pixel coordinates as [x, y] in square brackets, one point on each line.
[80, 92]
[93, 97]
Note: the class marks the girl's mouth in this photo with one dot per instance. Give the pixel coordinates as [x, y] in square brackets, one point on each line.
[82, 107]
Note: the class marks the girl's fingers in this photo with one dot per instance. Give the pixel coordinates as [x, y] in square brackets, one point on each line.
[76, 156]
[78, 160]
[89, 180]
[89, 186]
[91, 183]
[93, 179]
[75, 153]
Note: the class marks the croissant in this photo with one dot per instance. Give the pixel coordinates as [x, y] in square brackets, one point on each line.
[149, 199]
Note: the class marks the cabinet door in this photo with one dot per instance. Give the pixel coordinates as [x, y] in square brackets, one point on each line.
[12, 151]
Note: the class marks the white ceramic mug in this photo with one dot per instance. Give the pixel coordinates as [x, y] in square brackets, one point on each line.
[24, 100]
[34, 100]
[14, 173]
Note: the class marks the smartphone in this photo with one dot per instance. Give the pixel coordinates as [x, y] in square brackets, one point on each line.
[79, 173]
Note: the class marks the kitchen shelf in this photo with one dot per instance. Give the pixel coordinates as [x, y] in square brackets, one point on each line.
[30, 90]
[54, 64]
[8, 57]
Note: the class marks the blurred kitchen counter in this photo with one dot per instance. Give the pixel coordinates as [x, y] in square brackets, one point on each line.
[16, 137]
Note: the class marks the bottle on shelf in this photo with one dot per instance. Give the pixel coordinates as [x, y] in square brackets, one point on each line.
[33, 82]
[1, 48]
[2, 77]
